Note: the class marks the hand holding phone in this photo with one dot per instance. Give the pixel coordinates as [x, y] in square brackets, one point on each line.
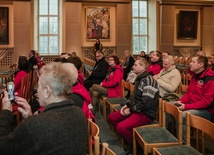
[1, 89]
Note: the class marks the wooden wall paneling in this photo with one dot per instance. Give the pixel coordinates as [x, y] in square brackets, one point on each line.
[207, 30]
[124, 36]
[167, 32]
[22, 33]
[22, 12]
[73, 12]
[166, 28]
[123, 28]
[22, 28]
[167, 15]
[73, 28]
[124, 14]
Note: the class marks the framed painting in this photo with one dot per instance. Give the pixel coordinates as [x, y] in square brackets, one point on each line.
[187, 24]
[4, 27]
[97, 23]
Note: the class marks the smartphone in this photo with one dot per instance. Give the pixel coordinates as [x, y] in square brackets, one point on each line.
[10, 90]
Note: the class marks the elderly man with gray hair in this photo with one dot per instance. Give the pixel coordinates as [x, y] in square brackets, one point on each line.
[169, 77]
[53, 131]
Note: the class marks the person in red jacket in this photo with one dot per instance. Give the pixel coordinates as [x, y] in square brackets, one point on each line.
[78, 64]
[23, 69]
[39, 60]
[199, 98]
[156, 64]
[82, 99]
[111, 85]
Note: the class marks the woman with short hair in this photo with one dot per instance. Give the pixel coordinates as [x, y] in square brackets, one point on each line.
[111, 85]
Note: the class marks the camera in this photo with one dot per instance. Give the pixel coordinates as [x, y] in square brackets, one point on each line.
[10, 89]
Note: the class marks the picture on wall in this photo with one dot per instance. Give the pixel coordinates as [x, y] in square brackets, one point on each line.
[187, 24]
[98, 23]
[4, 36]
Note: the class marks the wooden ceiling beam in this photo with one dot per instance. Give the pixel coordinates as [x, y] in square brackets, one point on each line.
[101, 1]
[187, 2]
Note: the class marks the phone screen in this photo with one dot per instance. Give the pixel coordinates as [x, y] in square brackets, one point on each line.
[10, 89]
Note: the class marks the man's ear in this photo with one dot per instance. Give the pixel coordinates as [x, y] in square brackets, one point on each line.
[201, 65]
[47, 91]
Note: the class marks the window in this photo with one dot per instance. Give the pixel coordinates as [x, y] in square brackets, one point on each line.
[139, 26]
[48, 27]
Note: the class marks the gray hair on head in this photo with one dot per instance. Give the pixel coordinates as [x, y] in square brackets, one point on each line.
[60, 77]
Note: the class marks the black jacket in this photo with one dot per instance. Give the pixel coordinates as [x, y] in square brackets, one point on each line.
[99, 71]
[128, 67]
[61, 129]
[32, 61]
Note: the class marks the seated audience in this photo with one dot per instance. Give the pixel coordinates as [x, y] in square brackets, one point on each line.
[60, 59]
[39, 61]
[60, 129]
[150, 54]
[82, 99]
[211, 62]
[111, 85]
[65, 55]
[165, 53]
[98, 73]
[200, 53]
[78, 64]
[23, 70]
[131, 77]
[141, 108]
[80, 95]
[169, 77]
[156, 63]
[32, 59]
[143, 55]
[199, 98]
[129, 62]
[73, 54]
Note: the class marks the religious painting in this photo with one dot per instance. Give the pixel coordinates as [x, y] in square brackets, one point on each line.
[4, 36]
[187, 24]
[98, 23]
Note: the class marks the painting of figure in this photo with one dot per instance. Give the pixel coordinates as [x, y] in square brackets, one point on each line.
[4, 25]
[187, 25]
[98, 23]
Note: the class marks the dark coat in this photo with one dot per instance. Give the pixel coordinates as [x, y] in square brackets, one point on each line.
[145, 96]
[61, 129]
[128, 67]
[33, 62]
[98, 73]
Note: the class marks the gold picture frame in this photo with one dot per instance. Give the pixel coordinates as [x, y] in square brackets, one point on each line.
[187, 24]
[98, 23]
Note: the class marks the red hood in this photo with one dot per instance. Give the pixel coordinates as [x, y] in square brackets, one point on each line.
[206, 72]
[80, 89]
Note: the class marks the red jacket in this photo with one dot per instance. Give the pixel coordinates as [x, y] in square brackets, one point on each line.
[200, 94]
[18, 81]
[80, 78]
[113, 83]
[155, 67]
[81, 90]
[40, 62]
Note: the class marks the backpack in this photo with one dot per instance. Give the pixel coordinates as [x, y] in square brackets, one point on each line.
[172, 97]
